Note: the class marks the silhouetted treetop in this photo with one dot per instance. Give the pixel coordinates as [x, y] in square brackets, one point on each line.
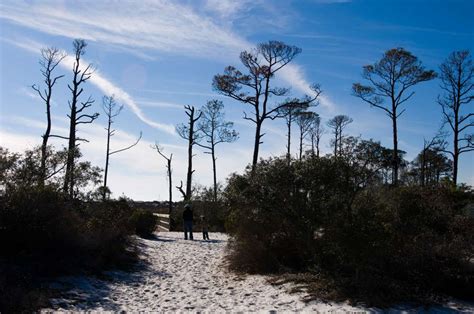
[276, 53]
[79, 46]
[392, 75]
[390, 78]
[254, 87]
[262, 63]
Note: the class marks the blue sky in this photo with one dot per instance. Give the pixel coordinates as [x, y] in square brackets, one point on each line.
[157, 56]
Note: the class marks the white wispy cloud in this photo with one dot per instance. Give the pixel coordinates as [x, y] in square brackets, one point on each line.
[156, 25]
[159, 104]
[40, 125]
[227, 8]
[99, 80]
[247, 15]
[165, 26]
[109, 88]
[293, 75]
[177, 92]
[29, 92]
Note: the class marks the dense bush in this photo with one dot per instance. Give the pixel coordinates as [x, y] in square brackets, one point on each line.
[42, 235]
[144, 222]
[333, 219]
[397, 239]
[281, 206]
[40, 222]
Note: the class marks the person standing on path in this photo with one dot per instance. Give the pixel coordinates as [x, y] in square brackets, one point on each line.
[188, 221]
[205, 228]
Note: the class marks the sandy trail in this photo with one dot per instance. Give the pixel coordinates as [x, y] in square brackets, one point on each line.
[178, 275]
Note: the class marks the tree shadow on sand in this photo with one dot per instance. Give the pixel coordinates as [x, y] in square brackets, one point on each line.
[161, 238]
[209, 241]
[85, 293]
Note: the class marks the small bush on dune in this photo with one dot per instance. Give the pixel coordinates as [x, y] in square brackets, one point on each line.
[364, 241]
[144, 221]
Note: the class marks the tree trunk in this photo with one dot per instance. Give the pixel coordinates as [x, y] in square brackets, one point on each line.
[259, 120]
[317, 146]
[190, 159]
[288, 145]
[106, 170]
[423, 167]
[457, 106]
[44, 145]
[395, 150]
[256, 144]
[340, 144]
[301, 144]
[456, 147]
[214, 171]
[170, 205]
[340, 141]
[69, 177]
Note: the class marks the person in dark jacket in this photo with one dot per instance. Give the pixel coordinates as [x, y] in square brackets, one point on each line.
[188, 221]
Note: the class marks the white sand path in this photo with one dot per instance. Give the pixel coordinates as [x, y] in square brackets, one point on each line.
[185, 276]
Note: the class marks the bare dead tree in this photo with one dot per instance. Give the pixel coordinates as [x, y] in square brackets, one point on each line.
[50, 59]
[337, 124]
[290, 108]
[189, 133]
[316, 132]
[111, 111]
[391, 78]
[304, 120]
[254, 88]
[77, 115]
[215, 130]
[180, 189]
[457, 83]
[169, 171]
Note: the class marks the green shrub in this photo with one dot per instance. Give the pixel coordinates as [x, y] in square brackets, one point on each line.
[280, 206]
[372, 243]
[144, 222]
[43, 235]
